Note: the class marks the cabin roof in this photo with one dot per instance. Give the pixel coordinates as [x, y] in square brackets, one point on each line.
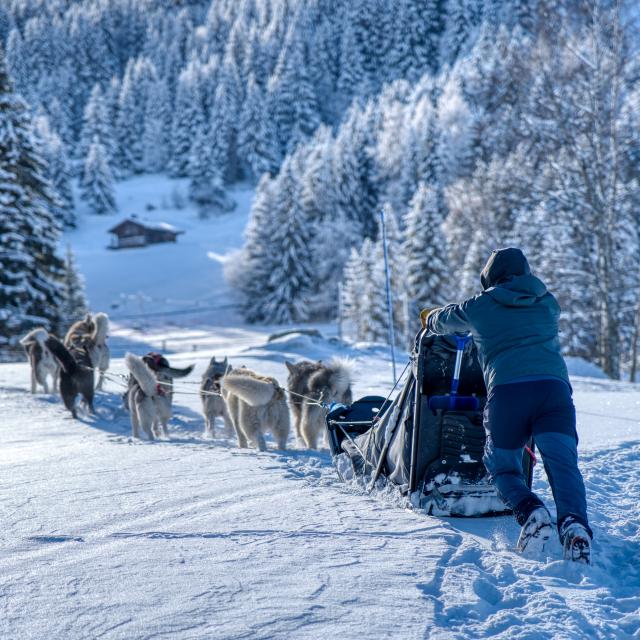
[145, 224]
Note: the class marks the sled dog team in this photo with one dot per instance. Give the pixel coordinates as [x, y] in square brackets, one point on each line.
[249, 403]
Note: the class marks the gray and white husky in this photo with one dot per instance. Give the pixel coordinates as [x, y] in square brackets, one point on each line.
[319, 382]
[148, 403]
[42, 362]
[96, 328]
[164, 375]
[213, 404]
[256, 404]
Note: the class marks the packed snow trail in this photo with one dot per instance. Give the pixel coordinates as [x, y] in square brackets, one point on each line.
[103, 537]
[107, 538]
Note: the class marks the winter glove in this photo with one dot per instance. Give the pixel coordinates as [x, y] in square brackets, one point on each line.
[424, 315]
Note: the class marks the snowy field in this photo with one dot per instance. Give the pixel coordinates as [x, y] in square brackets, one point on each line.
[105, 537]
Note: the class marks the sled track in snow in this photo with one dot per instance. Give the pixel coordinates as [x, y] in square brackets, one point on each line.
[482, 588]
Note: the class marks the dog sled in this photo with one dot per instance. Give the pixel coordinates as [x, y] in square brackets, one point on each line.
[428, 443]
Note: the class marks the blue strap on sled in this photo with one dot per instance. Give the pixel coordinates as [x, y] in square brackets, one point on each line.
[454, 402]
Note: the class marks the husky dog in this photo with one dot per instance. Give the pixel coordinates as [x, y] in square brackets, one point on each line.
[102, 355]
[213, 405]
[76, 372]
[164, 375]
[298, 385]
[256, 403]
[149, 404]
[323, 382]
[80, 333]
[42, 362]
[78, 329]
[97, 328]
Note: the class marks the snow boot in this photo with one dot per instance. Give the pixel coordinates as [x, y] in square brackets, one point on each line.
[576, 542]
[535, 532]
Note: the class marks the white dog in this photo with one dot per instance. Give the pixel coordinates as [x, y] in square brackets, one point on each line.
[101, 353]
[256, 403]
[148, 403]
[42, 362]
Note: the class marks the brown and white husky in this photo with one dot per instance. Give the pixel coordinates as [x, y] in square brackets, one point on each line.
[93, 330]
[317, 382]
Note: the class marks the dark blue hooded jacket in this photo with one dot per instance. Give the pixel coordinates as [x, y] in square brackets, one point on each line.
[514, 322]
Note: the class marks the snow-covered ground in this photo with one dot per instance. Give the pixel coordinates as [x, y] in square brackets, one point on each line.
[104, 537]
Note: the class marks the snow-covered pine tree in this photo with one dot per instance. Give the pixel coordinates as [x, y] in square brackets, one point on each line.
[422, 161]
[96, 125]
[224, 121]
[139, 76]
[425, 24]
[324, 62]
[290, 280]
[318, 190]
[97, 181]
[248, 127]
[188, 119]
[267, 155]
[360, 296]
[335, 236]
[458, 28]
[353, 304]
[206, 188]
[15, 291]
[374, 322]
[253, 269]
[74, 301]
[391, 142]
[563, 265]
[425, 250]
[58, 171]
[157, 121]
[353, 80]
[353, 170]
[30, 269]
[292, 97]
[16, 62]
[129, 125]
[111, 104]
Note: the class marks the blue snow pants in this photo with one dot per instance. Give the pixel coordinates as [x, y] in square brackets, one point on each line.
[543, 409]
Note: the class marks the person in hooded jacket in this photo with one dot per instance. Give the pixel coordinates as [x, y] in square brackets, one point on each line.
[514, 324]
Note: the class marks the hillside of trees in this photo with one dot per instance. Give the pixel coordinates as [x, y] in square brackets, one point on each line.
[472, 123]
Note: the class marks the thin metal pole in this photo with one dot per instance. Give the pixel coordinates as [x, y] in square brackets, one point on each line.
[392, 337]
[340, 311]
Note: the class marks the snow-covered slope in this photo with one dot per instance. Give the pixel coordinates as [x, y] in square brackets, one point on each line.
[105, 537]
[194, 538]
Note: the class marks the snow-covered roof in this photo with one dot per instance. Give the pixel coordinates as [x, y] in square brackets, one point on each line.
[147, 224]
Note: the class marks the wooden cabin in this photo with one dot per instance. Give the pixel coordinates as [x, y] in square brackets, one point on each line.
[134, 232]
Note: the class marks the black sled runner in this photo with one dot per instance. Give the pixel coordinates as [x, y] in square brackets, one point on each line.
[428, 442]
